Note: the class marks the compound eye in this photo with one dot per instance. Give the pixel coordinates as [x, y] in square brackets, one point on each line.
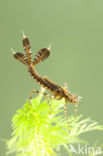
[71, 100]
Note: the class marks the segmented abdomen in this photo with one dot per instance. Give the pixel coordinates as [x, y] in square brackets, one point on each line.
[38, 78]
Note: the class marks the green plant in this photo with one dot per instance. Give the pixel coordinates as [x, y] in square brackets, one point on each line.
[37, 133]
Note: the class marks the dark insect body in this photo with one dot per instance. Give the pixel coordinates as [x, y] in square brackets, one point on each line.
[57, 91]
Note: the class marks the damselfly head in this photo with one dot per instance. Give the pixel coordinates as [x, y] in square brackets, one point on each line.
[74, 99]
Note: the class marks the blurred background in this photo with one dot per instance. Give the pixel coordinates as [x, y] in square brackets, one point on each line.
[75, 31]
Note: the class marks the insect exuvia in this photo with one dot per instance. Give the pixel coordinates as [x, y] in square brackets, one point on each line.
[57, 91]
